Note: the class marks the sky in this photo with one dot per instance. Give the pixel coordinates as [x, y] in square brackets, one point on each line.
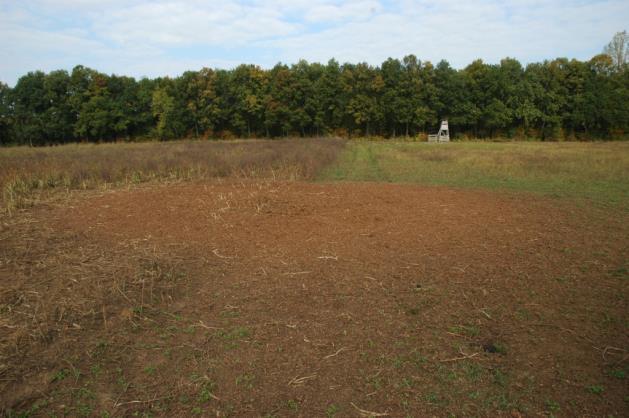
[166, 37]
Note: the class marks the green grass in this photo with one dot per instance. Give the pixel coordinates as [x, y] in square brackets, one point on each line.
[596, 171]
[596, 389]
[332, 410]
[246, 380]
[234, 334]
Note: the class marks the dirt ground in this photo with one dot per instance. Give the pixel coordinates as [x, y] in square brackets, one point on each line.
[269, 299]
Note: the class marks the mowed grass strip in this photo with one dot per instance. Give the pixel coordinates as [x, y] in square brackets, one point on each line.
[595, 171]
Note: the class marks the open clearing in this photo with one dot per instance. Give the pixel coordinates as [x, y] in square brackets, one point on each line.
[259, 297]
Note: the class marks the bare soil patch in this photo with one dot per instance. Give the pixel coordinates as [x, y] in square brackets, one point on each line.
[259, 298]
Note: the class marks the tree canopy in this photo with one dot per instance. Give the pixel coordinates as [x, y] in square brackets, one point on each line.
[551, 100]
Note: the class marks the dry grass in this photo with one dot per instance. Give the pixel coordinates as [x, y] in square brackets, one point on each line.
[26, 174]
[67, 297]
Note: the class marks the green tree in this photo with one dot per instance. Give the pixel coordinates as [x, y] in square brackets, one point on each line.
[476, 80]
[6, 118]
[276, 101]
[124, 106]
[58, 117]
[547, 96]
[393, 97]
[29, 105]
[246, 99]
[144, 121]
[330, 99]
[364, 85]
[201, 102]
[96, 117]
[551, 100]
[303, 105]
[163, 106]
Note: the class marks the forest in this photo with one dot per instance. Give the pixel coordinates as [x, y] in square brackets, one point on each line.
[558, 99]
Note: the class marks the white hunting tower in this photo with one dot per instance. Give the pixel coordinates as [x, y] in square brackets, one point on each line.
[443, 135]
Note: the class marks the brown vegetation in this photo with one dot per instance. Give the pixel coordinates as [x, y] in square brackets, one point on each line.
[27, 173]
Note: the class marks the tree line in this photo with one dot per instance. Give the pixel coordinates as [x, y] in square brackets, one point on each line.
[552, 100]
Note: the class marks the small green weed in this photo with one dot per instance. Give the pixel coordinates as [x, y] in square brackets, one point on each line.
[292, 405]
[414, 311]
[33, 410]
[398, 362]
[473, 371]
[60, 375]
[230, 338]
[96, 370]
[552, 406]
[467, 330]
[500, 378]
[206, 392]
[621, 273]
[84, 410]
[229, 314]
[85, 393]
[332, 410]
[494, 347]
[100, 349]
[246, 380]
[432, 398]
[523, 314]
[375, 381]
[234, 334]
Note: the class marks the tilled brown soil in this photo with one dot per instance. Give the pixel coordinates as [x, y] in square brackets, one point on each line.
[298, 299]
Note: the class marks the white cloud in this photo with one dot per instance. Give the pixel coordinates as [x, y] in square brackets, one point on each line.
[351, 10]
[168, 24]
[463, 31]
[142, 37]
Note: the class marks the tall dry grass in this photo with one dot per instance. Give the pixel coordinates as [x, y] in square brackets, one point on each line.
[28, 173]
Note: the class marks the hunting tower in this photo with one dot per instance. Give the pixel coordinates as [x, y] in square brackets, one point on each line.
[443, 135]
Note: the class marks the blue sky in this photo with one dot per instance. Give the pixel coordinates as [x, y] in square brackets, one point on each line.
[166, 37]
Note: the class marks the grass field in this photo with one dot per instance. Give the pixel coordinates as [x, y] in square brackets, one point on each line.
[29, 174]
[597, 172]
[315, 279]
[593, 171]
